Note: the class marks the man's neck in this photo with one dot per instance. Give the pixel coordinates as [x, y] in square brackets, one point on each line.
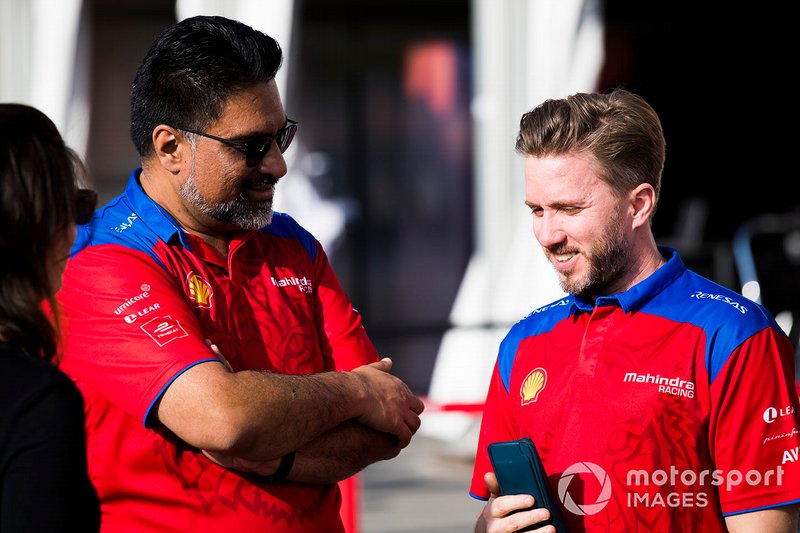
[158, 188]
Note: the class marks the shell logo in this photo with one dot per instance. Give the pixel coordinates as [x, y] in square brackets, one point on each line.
[532, 385]
[199, 290]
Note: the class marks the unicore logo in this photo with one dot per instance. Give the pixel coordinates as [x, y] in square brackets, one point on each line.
[602, 498]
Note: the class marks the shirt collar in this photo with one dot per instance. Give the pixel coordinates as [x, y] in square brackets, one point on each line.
[150, 213]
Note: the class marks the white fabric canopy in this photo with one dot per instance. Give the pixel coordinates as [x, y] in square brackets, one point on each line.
[525, 51]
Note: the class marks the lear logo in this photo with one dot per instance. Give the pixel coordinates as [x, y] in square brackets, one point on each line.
[199, 290]
[771, 414]
[603, 496]
[532, 385]
[131, 318]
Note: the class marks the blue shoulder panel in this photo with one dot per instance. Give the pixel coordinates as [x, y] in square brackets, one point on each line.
[727, 318]
[131, 220]
[537, 322]
[284, 225]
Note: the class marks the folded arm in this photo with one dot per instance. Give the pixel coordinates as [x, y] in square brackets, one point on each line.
[247, 420]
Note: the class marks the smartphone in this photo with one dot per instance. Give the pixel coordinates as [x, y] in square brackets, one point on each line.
[519, 470]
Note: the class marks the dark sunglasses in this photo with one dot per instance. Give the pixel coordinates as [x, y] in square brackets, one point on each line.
[254, 148]
[84, 205]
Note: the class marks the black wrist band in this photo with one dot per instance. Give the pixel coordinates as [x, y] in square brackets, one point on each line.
[287, 461]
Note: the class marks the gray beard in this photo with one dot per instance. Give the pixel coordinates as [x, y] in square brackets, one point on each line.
[237, 212]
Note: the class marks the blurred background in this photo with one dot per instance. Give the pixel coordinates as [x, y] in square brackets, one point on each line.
[404, 166]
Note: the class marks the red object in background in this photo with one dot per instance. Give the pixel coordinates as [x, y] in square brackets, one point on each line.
[350, 504]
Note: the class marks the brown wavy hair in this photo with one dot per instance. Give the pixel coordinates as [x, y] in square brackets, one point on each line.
[38, 201]
[619, 128]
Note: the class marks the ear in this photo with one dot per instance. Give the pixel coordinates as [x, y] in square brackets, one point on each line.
[643, 204]
[170, 150]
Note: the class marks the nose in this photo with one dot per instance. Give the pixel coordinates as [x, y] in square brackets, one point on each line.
[273, 162]
[548, 231]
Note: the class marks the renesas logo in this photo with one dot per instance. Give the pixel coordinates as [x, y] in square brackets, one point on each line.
[128, 223]
[560, 303]
[771, 414]
[720, 298]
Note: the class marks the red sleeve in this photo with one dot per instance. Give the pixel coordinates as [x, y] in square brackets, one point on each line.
[348, 343]
[497, 424]
[753, 427]
[126, 300]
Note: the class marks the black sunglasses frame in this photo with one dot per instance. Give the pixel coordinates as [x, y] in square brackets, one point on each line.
[255, 148]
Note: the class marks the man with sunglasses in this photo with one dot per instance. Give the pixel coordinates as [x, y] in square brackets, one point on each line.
[228, 380]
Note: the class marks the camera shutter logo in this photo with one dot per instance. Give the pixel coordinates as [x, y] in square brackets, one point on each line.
[602, 479]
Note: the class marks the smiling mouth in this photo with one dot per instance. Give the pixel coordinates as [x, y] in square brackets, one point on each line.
[561, 256]
[260, 189]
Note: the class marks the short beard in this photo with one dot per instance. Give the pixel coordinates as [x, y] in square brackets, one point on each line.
[237, 212]
[608, 260]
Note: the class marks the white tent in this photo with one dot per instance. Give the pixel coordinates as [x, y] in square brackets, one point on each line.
[525, 51]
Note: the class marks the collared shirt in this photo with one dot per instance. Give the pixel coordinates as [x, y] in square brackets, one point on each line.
[661, 408]
[140, 298]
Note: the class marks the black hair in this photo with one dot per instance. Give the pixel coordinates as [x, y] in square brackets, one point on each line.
[192, 68]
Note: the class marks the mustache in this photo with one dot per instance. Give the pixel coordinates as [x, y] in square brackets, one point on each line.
[560, 249]
[262, 179]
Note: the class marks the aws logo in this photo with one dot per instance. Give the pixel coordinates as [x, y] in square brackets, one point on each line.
[199, 290]
[533, 385]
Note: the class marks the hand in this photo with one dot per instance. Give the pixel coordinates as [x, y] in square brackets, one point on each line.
[504, 513]
[262, 468]
[215, 349]
[391, 407]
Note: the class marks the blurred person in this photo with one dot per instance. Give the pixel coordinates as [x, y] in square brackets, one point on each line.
[658, 400]
[44, 482]
[229, 381]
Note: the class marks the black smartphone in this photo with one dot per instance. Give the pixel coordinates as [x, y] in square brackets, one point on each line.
[519, 470]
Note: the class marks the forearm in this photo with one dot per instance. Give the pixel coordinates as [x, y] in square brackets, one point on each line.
[331, 457]
[260, 416]
[342, 452]
[778, 520]
[257, 416]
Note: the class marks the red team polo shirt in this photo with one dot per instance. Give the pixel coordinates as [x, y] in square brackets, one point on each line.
[140, 297]
[659, 409]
